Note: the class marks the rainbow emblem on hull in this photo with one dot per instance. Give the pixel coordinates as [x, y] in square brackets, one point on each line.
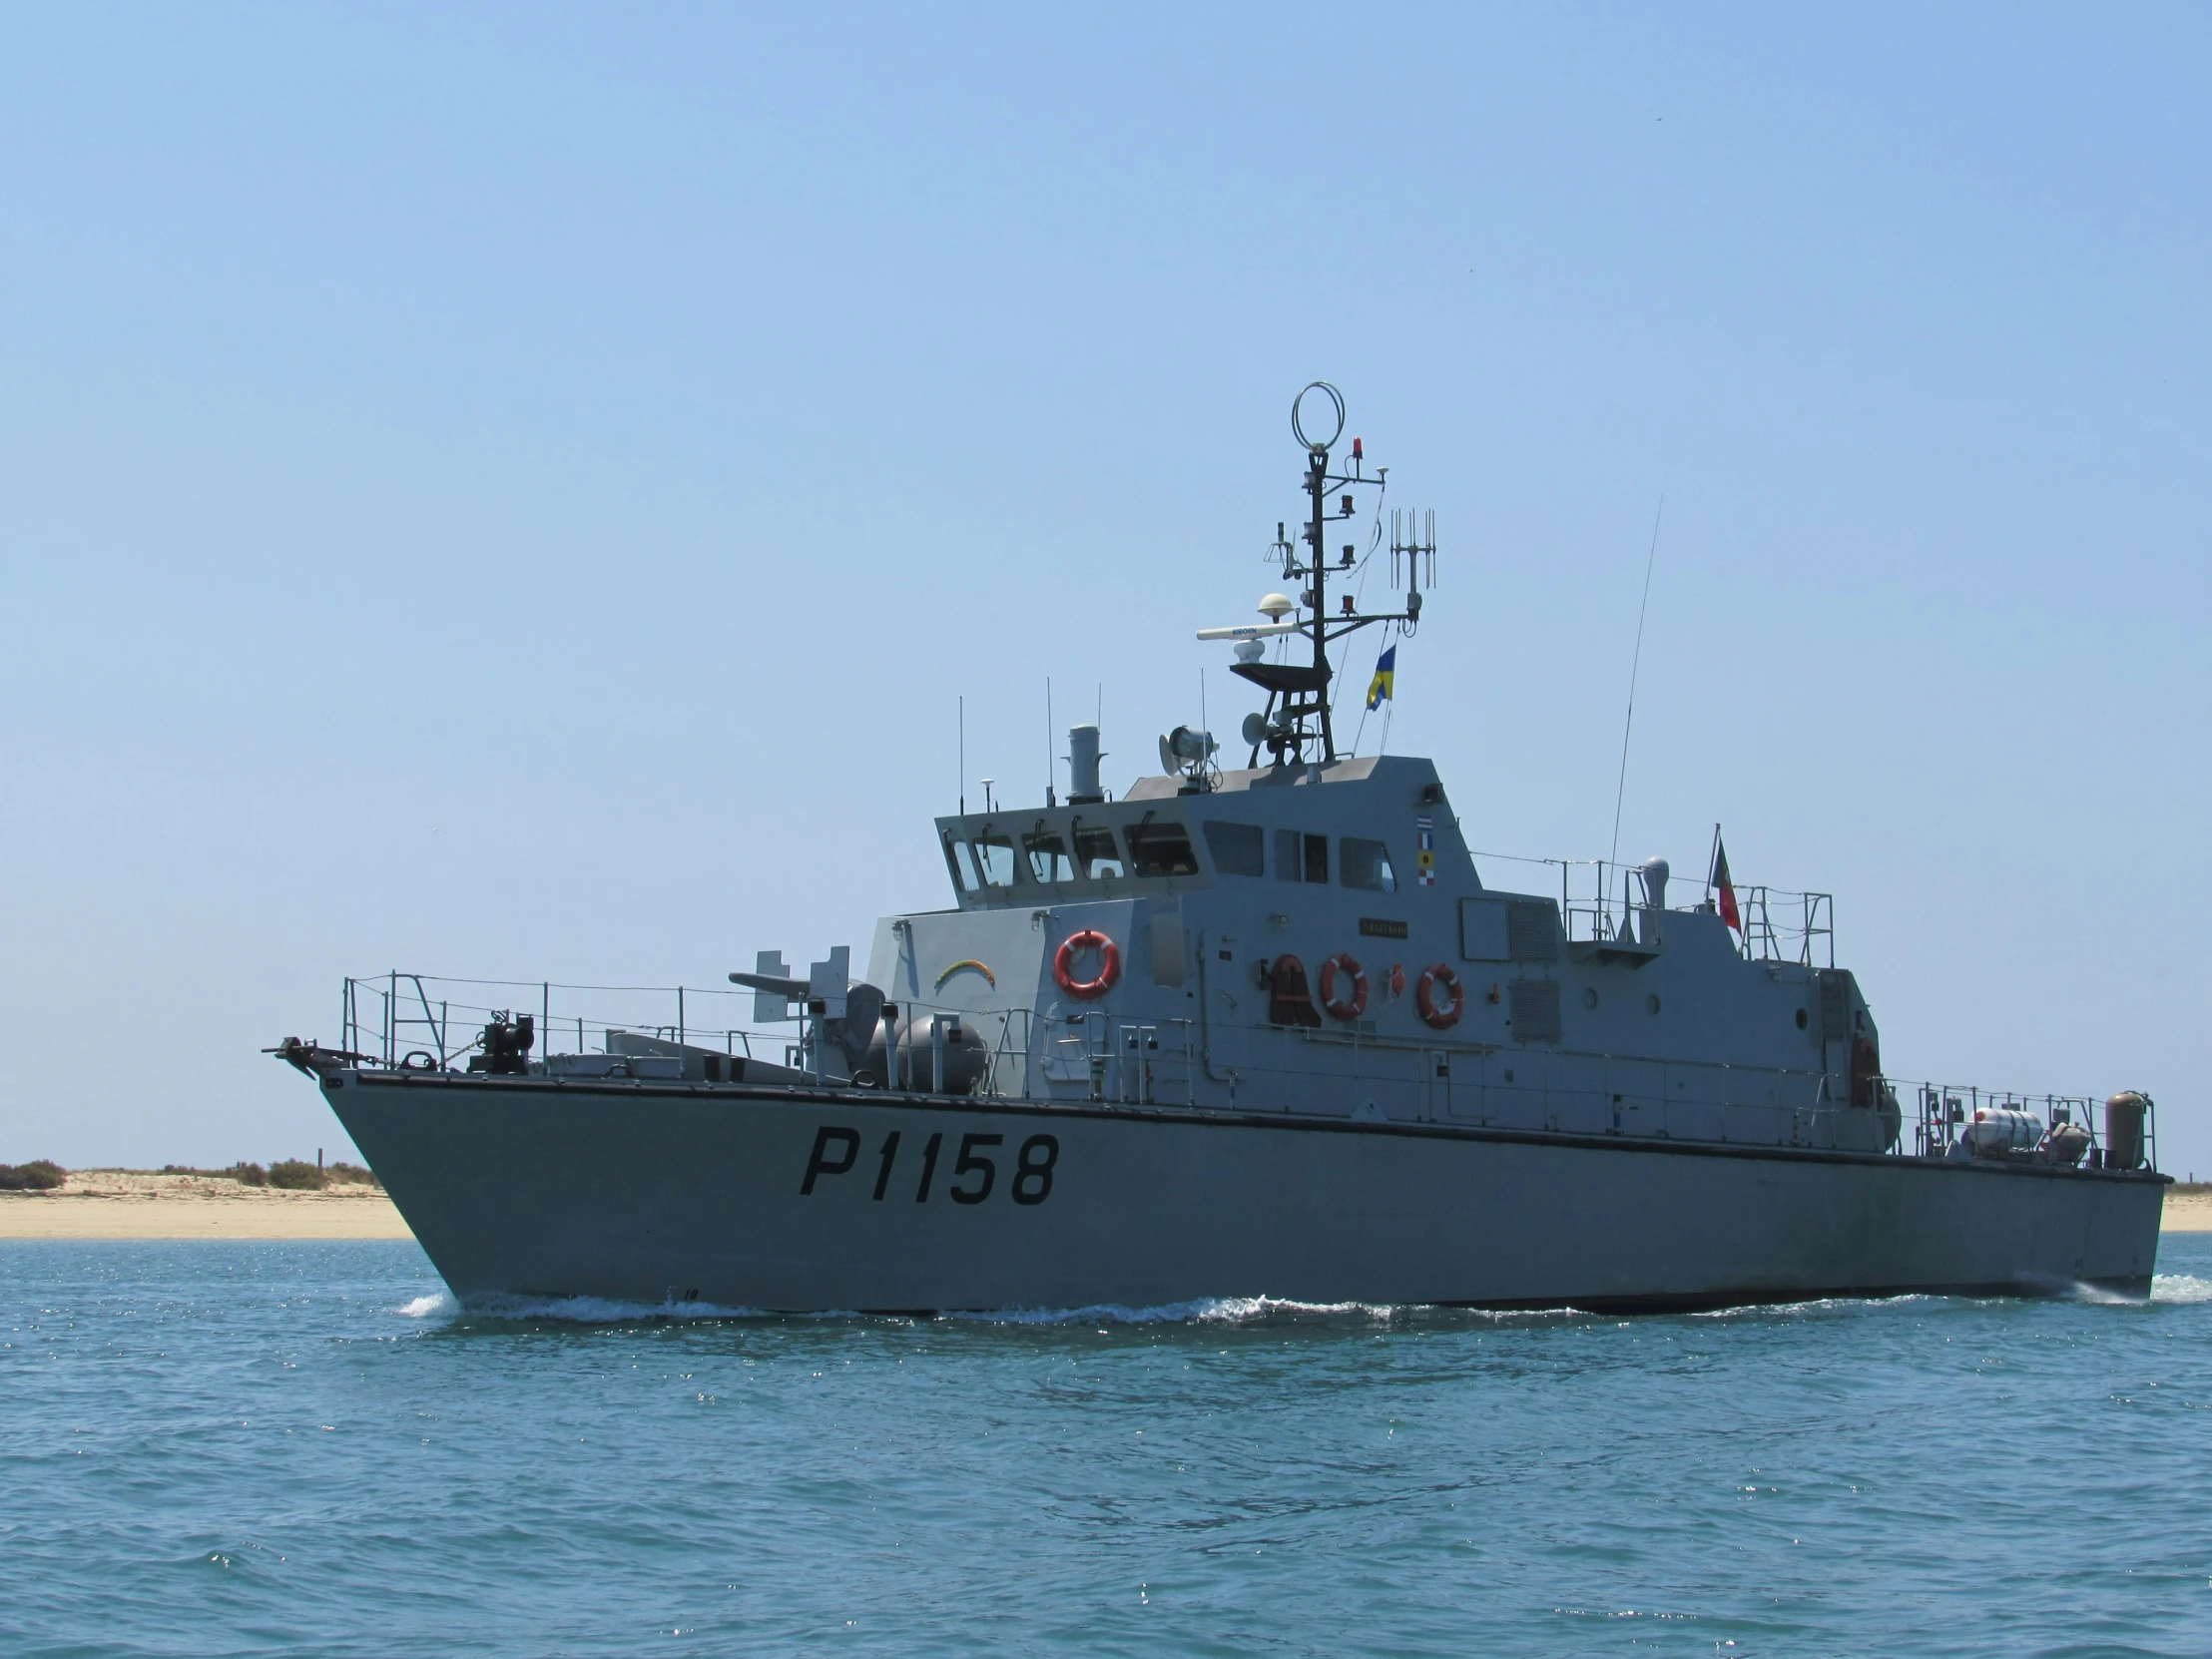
[966, 963]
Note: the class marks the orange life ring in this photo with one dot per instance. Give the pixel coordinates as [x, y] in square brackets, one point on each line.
[1109, 965]
[1343, 962]
[1441, 1019]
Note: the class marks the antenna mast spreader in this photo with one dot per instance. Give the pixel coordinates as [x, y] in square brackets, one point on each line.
[1297, 717]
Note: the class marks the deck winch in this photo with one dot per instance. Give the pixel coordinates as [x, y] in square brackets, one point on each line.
[506, 1043]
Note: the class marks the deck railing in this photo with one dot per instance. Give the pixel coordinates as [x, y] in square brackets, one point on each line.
[417, 1021]
[1943, 1110]
[424, 1022]
[1599, 899]
[393, 1018]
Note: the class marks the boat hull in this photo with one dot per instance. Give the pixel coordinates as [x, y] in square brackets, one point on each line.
[800, 1199]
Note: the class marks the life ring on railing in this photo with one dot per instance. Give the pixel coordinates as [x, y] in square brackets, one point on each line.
[1441, 1019]
[1109, 965]
[1343, 962]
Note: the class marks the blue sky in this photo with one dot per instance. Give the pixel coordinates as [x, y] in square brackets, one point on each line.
[518, 491]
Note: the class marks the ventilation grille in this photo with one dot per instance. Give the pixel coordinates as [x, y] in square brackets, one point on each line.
[1532, 930]
[1536, 1010]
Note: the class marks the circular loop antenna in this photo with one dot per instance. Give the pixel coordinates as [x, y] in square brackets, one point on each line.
[1298, 424]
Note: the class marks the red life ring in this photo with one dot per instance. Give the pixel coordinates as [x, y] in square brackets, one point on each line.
[1343, 962]
[1443, 1019]
[1109, 965]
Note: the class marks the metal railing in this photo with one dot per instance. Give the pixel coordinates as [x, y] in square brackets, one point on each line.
[417, 1021]
[1944, 1110]
[395, 1019]
[1782, 927]
[1599, 899]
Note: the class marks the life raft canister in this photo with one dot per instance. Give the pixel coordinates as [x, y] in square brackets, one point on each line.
[1445, 1018]
[1343, 962]
[1109, 965]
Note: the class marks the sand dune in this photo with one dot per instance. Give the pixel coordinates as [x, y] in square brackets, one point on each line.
[130, 1204]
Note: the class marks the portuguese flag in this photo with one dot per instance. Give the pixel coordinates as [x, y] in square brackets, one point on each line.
[1727, 889]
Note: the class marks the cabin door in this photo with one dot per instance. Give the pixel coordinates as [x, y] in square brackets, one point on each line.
[1436, 1070]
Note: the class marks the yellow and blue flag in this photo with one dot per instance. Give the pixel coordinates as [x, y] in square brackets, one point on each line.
[1386, 676]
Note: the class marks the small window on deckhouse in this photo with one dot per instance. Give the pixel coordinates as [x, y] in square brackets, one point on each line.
[1095, 852]
[1366, 864]
[1301, 858]
[1049, 861]
[1238, 849]
[1160, 850]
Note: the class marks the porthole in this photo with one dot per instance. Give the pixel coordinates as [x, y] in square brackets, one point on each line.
[1801, 1020]
[1651, 1003]
[1589, 996]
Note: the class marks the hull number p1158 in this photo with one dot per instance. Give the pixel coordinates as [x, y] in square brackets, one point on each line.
[974, 1174]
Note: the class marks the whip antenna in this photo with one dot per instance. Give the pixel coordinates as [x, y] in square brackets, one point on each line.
[1620, 789]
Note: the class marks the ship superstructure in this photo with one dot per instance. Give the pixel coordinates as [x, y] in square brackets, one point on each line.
[1263, 1030]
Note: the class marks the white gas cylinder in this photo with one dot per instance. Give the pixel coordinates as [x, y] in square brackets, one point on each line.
[1998, 1130]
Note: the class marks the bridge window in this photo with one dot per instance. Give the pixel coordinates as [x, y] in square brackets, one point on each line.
[1048, 856]
[1366, 864]
[984, 862]
[957, 855]
[1095, 852]
[1160, 850]
[1238, 849]
[994, 859]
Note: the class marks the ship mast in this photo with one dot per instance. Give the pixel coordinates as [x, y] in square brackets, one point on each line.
[1299, 714]
[1317, 489]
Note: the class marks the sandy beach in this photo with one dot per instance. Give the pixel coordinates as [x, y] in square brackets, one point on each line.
[132, 1204]
[2187, 1211]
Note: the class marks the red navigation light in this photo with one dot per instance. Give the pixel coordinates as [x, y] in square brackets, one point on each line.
[1356, 449]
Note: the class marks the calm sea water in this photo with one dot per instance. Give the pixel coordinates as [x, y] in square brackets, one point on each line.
[218, 1449]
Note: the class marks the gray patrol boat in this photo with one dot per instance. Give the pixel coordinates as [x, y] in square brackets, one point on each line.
[1254, 1032]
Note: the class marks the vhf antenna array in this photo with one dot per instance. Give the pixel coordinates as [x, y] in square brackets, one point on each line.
[1414, 539]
